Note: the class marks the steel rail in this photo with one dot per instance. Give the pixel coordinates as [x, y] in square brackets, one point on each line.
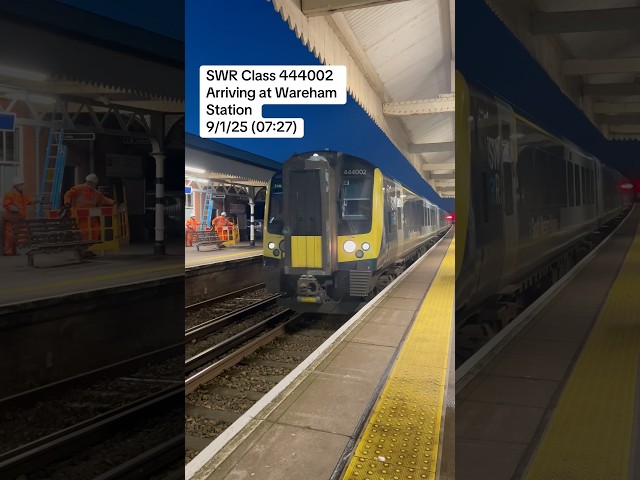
[226, 296]
[40, 453]
[216, 324]
[236, 356]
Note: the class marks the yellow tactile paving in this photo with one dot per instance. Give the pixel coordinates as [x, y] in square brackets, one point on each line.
[589, 435]
[401, 439]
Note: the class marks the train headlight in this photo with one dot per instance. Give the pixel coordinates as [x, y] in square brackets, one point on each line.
[366, 246]
[271, 245]
[349, 246]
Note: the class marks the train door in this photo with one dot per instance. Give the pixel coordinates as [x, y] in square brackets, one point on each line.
[487, 196]
[390, 222]
[508, 147]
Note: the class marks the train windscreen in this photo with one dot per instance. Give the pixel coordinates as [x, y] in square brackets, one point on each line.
[276, 205]
[355, 204]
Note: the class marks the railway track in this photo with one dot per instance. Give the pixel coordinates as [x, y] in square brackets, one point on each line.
[217, 395]
[501, 310]
[232, 295]
[61, 421]
[218, 323]
[274, 326]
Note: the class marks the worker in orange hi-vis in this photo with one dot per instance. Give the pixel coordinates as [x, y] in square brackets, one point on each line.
[15, 209]
[85, 195]
[219, 222]
[192, 227]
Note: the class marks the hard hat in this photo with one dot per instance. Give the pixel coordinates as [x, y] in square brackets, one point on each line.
[224, 214]
[17, 181]
[92, 177]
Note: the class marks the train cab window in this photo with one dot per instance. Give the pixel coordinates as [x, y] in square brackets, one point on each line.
[275, 221]
[355, 205]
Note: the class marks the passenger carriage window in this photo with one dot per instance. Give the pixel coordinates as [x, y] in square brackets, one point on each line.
[585, 193]
[571, 189]
[526, 188]
[576, 172]
[485, 198]
[508, 188]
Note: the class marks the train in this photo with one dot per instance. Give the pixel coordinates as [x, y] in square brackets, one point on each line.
[526, 202]
[337, 231]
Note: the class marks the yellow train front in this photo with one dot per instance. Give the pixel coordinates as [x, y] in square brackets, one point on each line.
[338, 231]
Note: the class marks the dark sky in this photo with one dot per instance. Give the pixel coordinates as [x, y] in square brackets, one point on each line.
[489, 55]
[246, 32]
[165, 17]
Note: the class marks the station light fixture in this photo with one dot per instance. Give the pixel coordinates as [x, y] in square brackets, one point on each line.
[194, 169]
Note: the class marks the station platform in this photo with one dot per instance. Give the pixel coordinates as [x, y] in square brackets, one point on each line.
[559, 397]
[60, 274]
[209, 256]
[374, 401]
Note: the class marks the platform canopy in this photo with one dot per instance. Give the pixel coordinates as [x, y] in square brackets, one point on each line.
[107, 76]
[590, 48]
[210, 161]
[400, 62]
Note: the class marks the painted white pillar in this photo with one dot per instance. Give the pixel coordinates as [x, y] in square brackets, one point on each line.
[159, 246]
[252, 205]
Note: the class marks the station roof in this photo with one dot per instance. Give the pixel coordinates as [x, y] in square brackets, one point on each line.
[216, 162]
[591, 49]
[399, 56]
[55, 50]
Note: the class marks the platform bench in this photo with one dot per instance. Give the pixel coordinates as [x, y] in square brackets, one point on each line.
[49, 235]
[207, 238]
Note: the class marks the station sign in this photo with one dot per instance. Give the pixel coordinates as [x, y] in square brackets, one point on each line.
[7, 122]
[136, 141]
[78, 136]
[187, 190]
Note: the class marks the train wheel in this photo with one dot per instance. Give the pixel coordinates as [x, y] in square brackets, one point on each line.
[383, 282]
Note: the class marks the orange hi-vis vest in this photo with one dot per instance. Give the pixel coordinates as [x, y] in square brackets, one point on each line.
[192, 224]
[81, 196]
[14, 198]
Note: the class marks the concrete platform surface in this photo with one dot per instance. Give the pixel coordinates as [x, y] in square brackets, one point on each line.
[60, 274]
[208, 255]
[312, 419]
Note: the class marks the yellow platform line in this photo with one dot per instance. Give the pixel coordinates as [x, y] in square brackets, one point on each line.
[85, 279]
[589, 435]
[401, 440]
[201, 261]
